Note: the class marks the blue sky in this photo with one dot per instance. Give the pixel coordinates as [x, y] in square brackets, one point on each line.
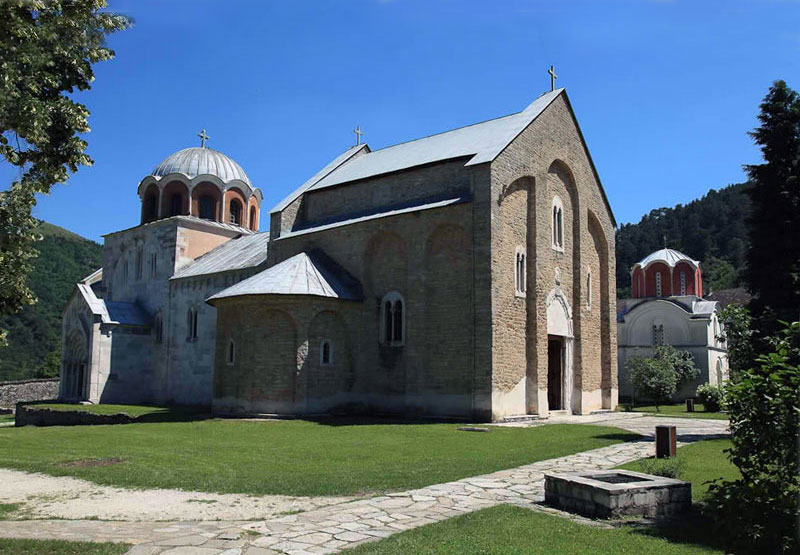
[665, 91]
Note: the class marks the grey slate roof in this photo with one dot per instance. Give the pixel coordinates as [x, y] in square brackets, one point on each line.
[195, 161]
[482, 141]
[312, 273]
[246, 251]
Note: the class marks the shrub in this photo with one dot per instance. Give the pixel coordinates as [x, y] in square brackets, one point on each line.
[712, 397]
[759, 512]
[653, 378]
[671, 467]
[681, 361]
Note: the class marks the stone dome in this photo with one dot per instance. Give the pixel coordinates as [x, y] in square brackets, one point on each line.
[196, 161]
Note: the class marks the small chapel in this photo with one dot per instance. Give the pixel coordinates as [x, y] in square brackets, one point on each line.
[467, 274]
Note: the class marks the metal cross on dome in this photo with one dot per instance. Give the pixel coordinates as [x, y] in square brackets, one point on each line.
[203, 138]
[358, 133]
[553, 77]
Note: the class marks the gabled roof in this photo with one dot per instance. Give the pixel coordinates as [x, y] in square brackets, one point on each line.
[127, 314]
[311, 273]
[239, 253]
[482, 142]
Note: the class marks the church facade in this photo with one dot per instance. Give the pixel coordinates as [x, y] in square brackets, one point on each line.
[468, 274]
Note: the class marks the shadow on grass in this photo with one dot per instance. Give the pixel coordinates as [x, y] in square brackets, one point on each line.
[692, 528]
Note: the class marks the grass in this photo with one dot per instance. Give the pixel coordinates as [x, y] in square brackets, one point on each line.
[134, 411]
[288, 457]
[510, 530]
[7, 509]
[55, 547]
[678, 410]
[6, 418]
[703, 462]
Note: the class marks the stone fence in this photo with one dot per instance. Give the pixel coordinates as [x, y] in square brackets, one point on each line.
[12, 393]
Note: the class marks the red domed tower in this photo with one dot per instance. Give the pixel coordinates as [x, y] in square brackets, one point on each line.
[666, 273]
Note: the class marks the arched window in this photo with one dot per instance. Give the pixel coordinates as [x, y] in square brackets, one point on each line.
[139, 263]
[658, 284]
[589, 290]
[125, 272]
[683, 283]
[191, 325]
[153, 264]
[325, 352]
[520, 272]
[231, 358]
[658, 335]
[176, 204]
[207, 207]
[235, 212]
[158, 326]
[558, 224]
[253, 218]
[150, 208]
[393, 320]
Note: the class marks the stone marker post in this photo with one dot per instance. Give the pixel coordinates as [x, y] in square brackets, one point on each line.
[689, 405]
[666, 442]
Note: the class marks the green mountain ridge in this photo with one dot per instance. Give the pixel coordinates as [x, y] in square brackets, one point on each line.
[34, 333]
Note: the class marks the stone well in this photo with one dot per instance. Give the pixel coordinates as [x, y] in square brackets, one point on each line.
[617, 493]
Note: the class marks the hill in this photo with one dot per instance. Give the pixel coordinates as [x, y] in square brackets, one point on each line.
[34, 334]
[712, 229]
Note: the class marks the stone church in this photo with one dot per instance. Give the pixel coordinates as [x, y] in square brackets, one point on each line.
[468, 274]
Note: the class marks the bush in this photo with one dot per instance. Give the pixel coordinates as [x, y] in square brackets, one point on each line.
[759, 512]
[712, 397]
[652, 378]
[671, 467]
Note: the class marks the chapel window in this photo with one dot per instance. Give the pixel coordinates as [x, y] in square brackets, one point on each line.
[325, 353]
[658, 284]
[207, 207]
[589, 291]
[191, 325]
[236, 212]
[231, 352]
[153, 264]
[159, 329]
[393, 320]
[125, 272]
[175, 204]
[558, 224]
[520, 270]
[253, 218]
[658, 334]
[683, 283]
[139, 263]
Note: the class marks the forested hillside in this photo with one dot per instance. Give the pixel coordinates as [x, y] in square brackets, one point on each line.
[34, 334]
[712, 229]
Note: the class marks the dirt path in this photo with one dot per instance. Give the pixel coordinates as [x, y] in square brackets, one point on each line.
[43, 496]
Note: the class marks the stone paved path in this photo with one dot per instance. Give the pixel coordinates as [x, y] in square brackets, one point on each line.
[330, 529]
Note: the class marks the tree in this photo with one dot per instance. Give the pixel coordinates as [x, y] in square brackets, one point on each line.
[759, 512]
[719, 274]
[47, 49]
[773, 258]
[652, 378]
[738, 337]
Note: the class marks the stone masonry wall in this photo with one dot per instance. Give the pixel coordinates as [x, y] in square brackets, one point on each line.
[15, 392]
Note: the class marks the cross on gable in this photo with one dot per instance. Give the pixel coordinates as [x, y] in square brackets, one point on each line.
[203, 138]
[358, 133]
[553, 77]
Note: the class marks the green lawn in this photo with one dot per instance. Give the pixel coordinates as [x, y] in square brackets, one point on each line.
[288, 457]
[703, 462]
[678, 411]
[6, 418]
[53, 547]
[510, 530]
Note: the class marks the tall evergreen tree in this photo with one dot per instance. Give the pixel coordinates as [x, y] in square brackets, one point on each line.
[773, 258]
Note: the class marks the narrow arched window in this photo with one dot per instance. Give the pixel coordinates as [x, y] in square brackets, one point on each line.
[325, 353]
[393, 320]
[158, 329]
[558, 224]
[231, 352]
[125, 272]
[589, 291]
[207, 207]
[153, 264]
[658, 334]
[191, 324]
[253, 218]
[139, 263]
[658, 284]
[520, 270]
[683, 283]
[235, 212]
[176, 204]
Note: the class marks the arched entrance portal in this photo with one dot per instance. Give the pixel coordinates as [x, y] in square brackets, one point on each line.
[559, 352]
[75, 368]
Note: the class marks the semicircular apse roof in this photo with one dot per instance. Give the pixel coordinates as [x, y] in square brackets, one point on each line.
[669, 256]
[195, 161]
